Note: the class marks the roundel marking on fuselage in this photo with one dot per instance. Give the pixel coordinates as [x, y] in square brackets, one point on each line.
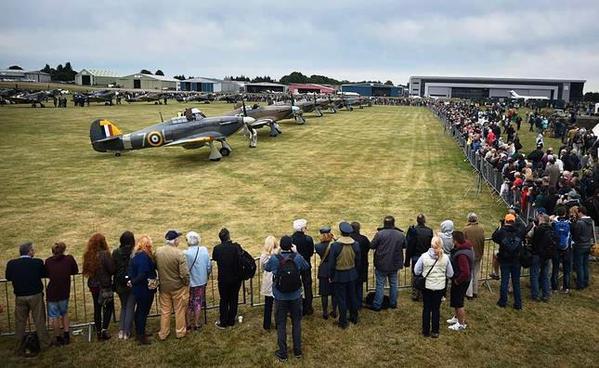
[155, 139]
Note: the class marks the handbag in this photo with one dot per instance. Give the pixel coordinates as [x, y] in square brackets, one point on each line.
[420, 281]
[106, 296]
[153, 284]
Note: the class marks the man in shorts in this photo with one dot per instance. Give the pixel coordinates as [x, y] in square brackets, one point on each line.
[462, 260]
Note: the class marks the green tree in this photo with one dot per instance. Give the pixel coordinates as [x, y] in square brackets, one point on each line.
[145, 71]
[159, 72]
[388, 83]
[15, 67]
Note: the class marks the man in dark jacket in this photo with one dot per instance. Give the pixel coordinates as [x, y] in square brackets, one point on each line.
[388, 245]
[305, 247]
[344, 263]
[462, 261]
[26, 275]
[509, 237]
[226, 255]
[363, 267]
[543, 250]
[419, 241]
[582, 237]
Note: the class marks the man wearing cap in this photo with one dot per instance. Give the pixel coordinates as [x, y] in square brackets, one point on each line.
[174, 285]
[343, 269]
[509, 237]
[388, 244]
[475, 234]
[287, 303]
[305, 246]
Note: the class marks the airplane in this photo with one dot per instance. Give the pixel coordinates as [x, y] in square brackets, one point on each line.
[199, 97]
[104, 96]
[191, 130]
[34, 98]
[514, 95]
[149, 97]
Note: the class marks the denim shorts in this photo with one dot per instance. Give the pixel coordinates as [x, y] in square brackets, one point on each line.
[58, 309]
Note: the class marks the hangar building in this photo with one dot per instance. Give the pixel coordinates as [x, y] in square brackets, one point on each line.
[264, 87]
[372, 89]
[148, 81]
[485, 87]
[210, 85]
[96, 77]
[24, 76]
[310, 88]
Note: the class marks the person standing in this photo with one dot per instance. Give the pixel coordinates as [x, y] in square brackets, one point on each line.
[509, 237]
[446, 235]
[226, 255]
[174, 285]
[343, 269]
[582, 236]
[60, 268]
[305, 246]
[363, 267]
[325, 287]
[462, 261]
[435, 266]
[475, 234]
[121, 257]
[287, 290]
[388, 244]
[26, 273]
[98, 267]
[198, 261]
[563, 254]
[543, 250]
[419, 241]
[143, 284]
[271, 247]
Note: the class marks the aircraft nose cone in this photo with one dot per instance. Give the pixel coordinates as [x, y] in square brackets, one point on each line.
[248, 120]
[295, 109]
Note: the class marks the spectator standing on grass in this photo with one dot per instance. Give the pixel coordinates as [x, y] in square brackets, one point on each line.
[563, 254]
[227, 255]
[543, 250]
[388, 244]
[446, 235]
[143, 284]
[462, 262]
[419, 241]
[271, 247]
[121, 257]
[287, 290]
[26, 273]
[174, 285]
[325, 286]
[582, 236]
[198, 261]
[305, 246]
[509, 237]
[475, 234]
[99, 268]
[363, 267]
[343, 268]
[434, 264]
[60, 267]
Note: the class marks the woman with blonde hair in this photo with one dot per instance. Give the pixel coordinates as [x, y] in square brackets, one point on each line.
[271, 247]
[98, 267]
[435, 266]
[142, 280]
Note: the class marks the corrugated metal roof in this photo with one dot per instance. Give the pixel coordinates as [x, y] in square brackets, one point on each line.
[101, 73]
[498, 78]
[157, 77]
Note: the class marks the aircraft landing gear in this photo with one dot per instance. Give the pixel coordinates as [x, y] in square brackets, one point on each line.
[319, 112]
[300, 119]
[117, 154]
[215, 155]
[224, 151]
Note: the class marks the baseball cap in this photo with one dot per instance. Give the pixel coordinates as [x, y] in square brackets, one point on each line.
[172, 234]
[509, 218]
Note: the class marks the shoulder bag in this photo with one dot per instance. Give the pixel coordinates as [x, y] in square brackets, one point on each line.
[420, 281]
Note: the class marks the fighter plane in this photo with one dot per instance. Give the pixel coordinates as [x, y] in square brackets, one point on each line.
[199, 97]
[191, 130]
[514, 95]
[34, 98]
[157, 98]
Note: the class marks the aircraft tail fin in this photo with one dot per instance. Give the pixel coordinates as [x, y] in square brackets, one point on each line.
[104, 135]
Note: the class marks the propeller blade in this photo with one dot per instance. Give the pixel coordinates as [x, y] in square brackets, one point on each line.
[245, 113]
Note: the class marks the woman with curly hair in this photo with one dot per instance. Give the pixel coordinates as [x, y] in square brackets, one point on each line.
[98, 267]
[142, 280]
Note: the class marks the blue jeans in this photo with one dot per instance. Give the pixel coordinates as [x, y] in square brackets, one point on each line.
[381, 278]
[581, 265]
[539, 277]
[563, 257]
[510, 269]
[284, 308]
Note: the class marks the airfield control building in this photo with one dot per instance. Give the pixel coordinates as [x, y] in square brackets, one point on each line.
[210, 85]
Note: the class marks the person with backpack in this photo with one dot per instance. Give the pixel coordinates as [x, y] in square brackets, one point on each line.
[563, 254]
[226, 256]
[305, 246]
[325, 287]
[582, 236]
[198, 261]
[419, 241]
[543, 250]
[121, 257]
[462, 262]
[287, 290]
[509, 237]
[343, 269]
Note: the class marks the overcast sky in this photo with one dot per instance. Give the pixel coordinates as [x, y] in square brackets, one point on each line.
[355, 40]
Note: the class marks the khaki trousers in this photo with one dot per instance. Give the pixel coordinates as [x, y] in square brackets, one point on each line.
[473, 287]
[33, 304]
[177, 300]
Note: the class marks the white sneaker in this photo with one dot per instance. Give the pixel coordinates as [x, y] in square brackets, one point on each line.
[453, 320]
[120, 335]
[457, 327]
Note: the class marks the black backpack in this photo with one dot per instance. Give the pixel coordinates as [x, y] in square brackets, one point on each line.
[287, 279]
[247, 264]
[511, 244]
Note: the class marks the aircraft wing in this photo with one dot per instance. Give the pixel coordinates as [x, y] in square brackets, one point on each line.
[196, 141]
[259, 123]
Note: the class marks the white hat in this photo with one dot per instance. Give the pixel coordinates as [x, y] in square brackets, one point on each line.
[299, 224]
[193, 238]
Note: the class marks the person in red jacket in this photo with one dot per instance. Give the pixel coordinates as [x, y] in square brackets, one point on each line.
[462, 260]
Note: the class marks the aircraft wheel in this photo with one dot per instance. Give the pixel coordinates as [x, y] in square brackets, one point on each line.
[215, 159]
[225, 151]
[117, 154]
